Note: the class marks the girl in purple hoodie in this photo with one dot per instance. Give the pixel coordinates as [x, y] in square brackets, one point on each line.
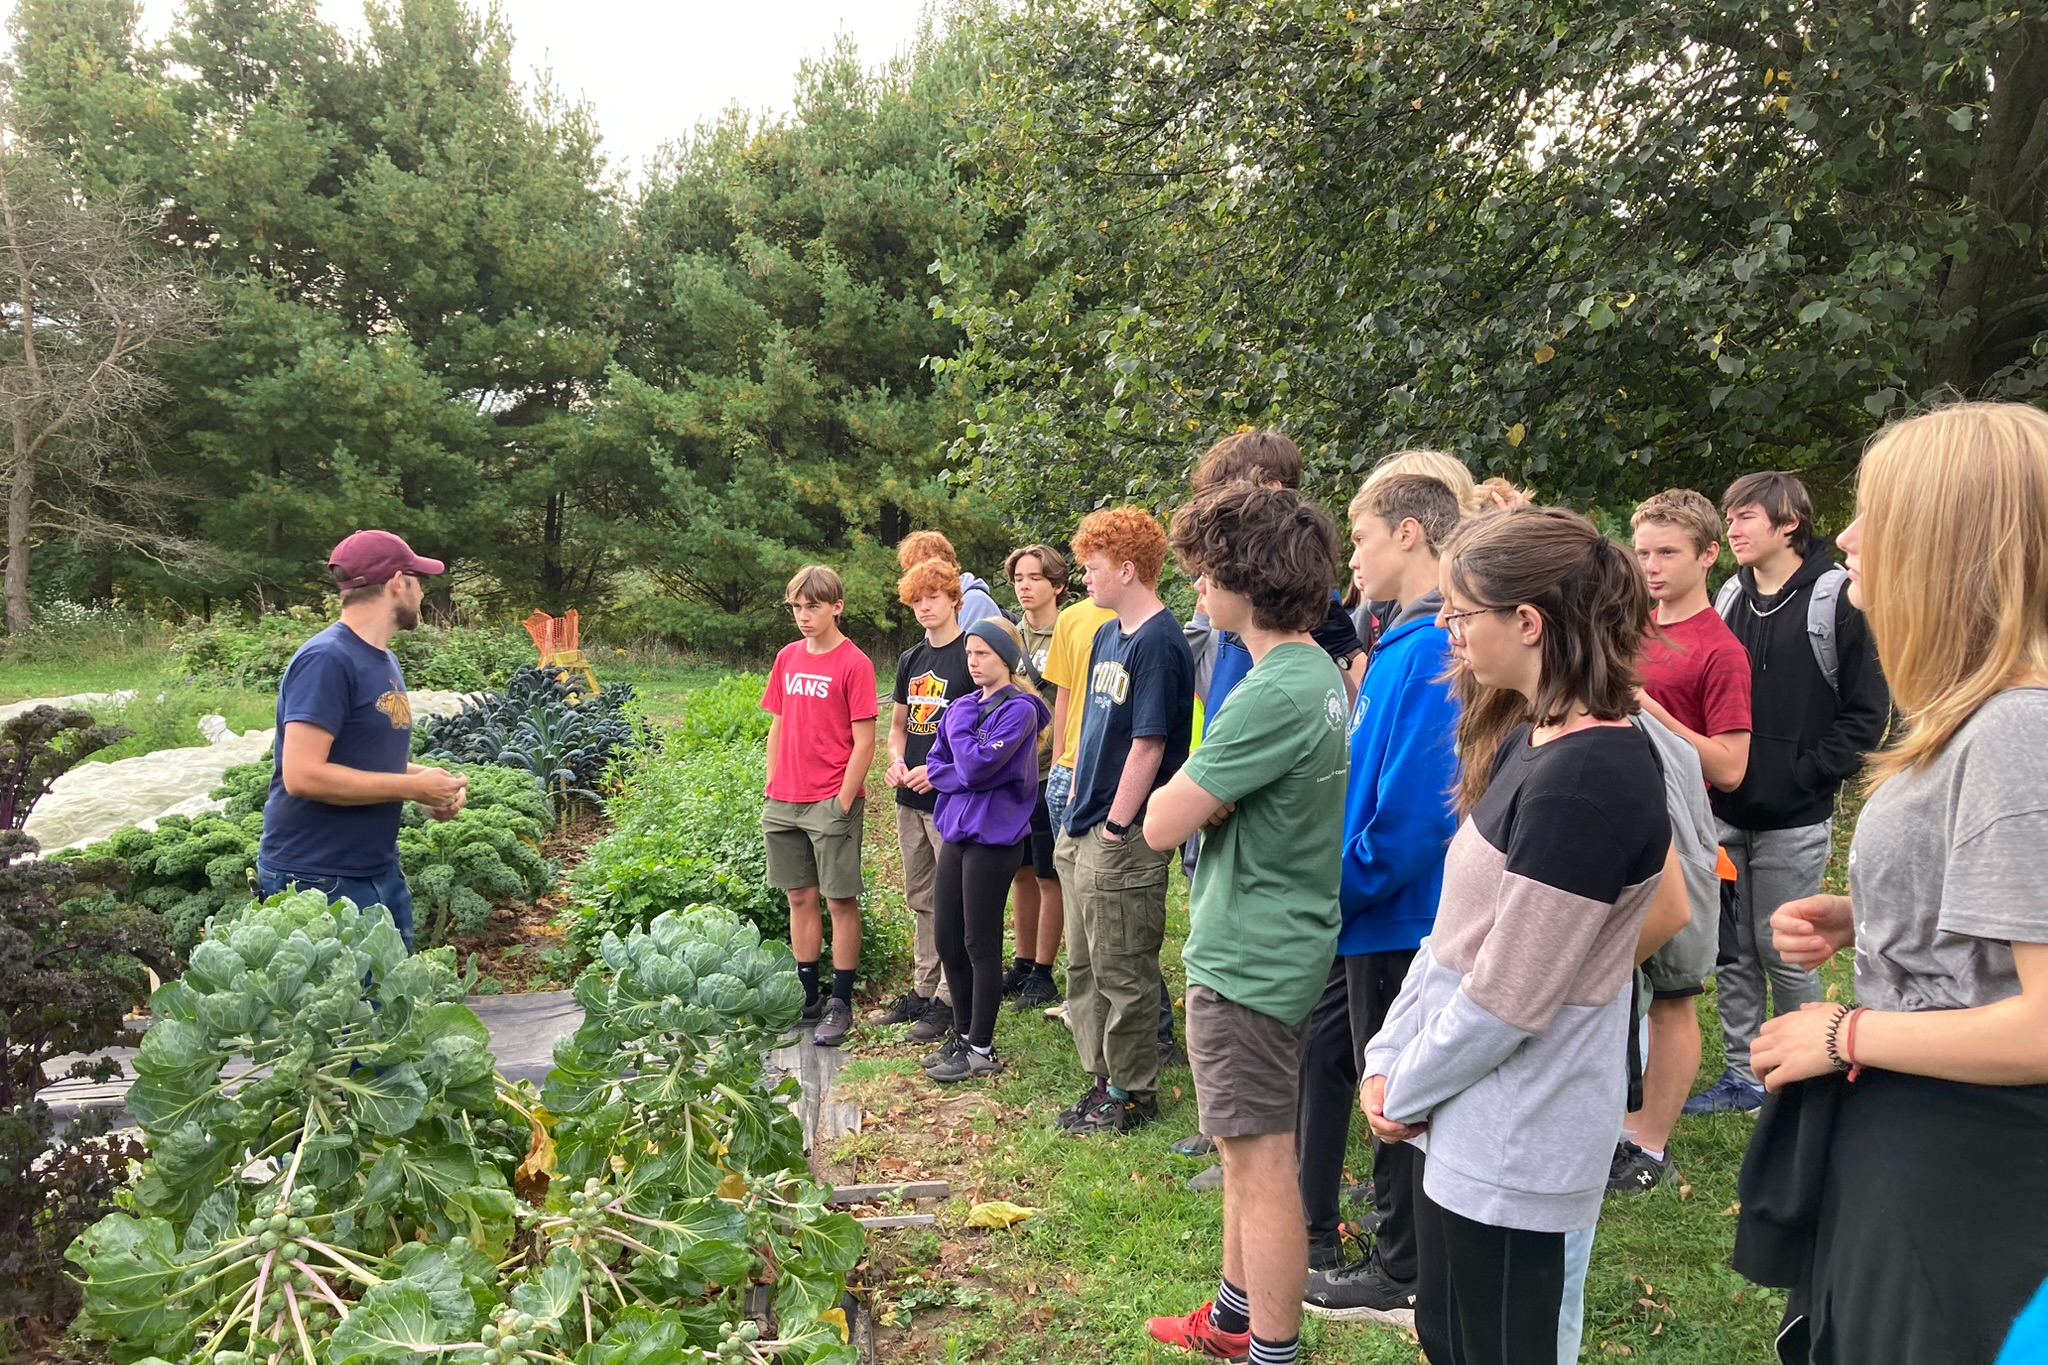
[984, 766]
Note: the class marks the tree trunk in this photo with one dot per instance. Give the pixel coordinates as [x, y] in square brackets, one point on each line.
[21, 501]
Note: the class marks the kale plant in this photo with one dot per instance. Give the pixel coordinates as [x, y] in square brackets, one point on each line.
[542, 724]
[68, 973]
[40, 745]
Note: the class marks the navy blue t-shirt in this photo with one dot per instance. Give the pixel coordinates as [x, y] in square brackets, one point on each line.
[356, 693]
[1139, 684]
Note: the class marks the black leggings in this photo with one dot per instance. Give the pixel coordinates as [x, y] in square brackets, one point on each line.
[967, 920]
[1484, 1295]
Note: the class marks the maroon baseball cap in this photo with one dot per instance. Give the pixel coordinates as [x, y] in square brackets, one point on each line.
[369, 558]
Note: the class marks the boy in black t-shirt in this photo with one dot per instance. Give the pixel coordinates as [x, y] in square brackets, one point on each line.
[1137, 717]
[928, 677]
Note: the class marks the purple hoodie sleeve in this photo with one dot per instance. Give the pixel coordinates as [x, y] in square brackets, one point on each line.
[976, 758]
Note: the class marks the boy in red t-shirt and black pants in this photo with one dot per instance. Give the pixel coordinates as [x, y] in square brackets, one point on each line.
[1696, 681]
[821, 692]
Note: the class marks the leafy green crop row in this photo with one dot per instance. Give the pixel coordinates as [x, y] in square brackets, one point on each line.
[542, 723]
[662, 1179]
[191, 868]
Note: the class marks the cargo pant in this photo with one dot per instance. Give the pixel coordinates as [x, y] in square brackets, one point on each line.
[917, 835]
[1772, 866]
[1116, 922]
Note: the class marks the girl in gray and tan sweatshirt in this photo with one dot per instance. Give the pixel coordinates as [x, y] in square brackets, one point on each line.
[1503, 1058]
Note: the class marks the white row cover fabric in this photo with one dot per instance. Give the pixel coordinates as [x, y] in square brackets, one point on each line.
[94, 800]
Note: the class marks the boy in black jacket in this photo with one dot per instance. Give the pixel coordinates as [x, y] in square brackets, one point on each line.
[1818, 704]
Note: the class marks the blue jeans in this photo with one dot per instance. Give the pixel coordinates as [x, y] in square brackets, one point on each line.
[1571, 1318]
[386, 888]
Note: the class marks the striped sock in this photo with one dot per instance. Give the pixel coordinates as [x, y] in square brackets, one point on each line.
[1275, 1352]
[1232, 1311]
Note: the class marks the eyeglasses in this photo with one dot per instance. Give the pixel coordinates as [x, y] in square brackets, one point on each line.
[1451, 620]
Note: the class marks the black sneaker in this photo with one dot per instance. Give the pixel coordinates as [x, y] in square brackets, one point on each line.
[812, 1012]
[908, 1010]
[1361, 1292]
[1112, 1115]
[954, 1043]
[1635, 1171]
[1014, 979]
[936, 1023]
[833, 1023]
[1326, 1253]
[1038, 991]
[1170, 1054]
[1098, 1091]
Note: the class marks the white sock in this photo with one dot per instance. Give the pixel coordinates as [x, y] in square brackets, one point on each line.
[1654, 1156]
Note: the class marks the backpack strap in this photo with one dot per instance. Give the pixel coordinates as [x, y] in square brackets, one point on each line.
[1821, 607]
[1731, 591]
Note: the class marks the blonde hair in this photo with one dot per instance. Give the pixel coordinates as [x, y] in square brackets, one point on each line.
[1018, 678]
[1684, 510]
[1954, 566]
[1446, 469]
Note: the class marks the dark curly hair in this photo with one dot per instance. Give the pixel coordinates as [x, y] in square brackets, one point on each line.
[1271, 544]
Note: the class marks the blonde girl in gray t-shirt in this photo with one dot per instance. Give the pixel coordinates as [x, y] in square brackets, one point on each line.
[1924, 1230]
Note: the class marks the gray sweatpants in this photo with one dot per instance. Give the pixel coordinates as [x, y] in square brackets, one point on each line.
[1772, 866]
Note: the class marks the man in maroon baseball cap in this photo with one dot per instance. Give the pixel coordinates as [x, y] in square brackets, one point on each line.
[343, 770]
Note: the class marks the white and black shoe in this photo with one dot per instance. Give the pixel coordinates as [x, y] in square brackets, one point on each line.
[1361, 1292]
[1635, 1171]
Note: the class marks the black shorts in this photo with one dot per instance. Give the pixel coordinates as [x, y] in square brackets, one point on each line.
[1038, 848]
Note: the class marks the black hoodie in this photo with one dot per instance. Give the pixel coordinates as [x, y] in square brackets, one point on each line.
[1806, 738]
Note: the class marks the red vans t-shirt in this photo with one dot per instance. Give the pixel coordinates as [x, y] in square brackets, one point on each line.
[818, 697]
[1699, 672]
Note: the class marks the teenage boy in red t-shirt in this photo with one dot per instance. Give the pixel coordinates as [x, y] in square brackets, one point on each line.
[1696, 681]
[822, 695]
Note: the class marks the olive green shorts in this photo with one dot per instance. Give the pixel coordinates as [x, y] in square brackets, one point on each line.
[814, 843]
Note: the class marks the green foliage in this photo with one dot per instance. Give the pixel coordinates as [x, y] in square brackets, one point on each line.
[37, 747]
[191, 868]
[238, 651]
[68, 972]
[687, 828]
[370, 1101]
[664, 1111]
[676, 1173]
[1601, 248]
[541, 724]
[728, 712]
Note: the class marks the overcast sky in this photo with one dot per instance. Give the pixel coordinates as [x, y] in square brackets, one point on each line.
[653, 69]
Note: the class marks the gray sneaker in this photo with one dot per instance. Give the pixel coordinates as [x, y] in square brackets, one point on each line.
[1207, 1179]
[833, 1023]
[954, 1044]
[965, 1065]
[1361, 1292]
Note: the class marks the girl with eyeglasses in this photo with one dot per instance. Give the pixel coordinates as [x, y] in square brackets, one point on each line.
[1505, 1045]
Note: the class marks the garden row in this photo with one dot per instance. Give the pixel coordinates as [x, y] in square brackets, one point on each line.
[686, 810]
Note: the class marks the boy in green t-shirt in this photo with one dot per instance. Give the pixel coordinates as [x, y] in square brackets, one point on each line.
[1268, 785]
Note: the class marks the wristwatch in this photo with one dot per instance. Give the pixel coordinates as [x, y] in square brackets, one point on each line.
[1114, 828]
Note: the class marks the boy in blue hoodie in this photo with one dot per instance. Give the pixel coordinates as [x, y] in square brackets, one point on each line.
[1398, 821]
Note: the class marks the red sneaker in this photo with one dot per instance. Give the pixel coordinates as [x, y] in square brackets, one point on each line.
[1197, 1333]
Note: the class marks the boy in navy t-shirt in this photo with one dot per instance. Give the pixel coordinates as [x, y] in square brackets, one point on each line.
[1136, 720]
[343, 774]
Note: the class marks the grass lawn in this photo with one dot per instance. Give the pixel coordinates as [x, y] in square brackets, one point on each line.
[1120, 1238]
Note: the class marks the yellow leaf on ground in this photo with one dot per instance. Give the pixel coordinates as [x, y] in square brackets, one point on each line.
[998, 1213]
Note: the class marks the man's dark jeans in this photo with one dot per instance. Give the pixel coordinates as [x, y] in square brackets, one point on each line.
[386, 888]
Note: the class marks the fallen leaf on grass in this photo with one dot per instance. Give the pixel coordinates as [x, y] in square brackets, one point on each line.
[997, 1213]
[1732, 1209]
